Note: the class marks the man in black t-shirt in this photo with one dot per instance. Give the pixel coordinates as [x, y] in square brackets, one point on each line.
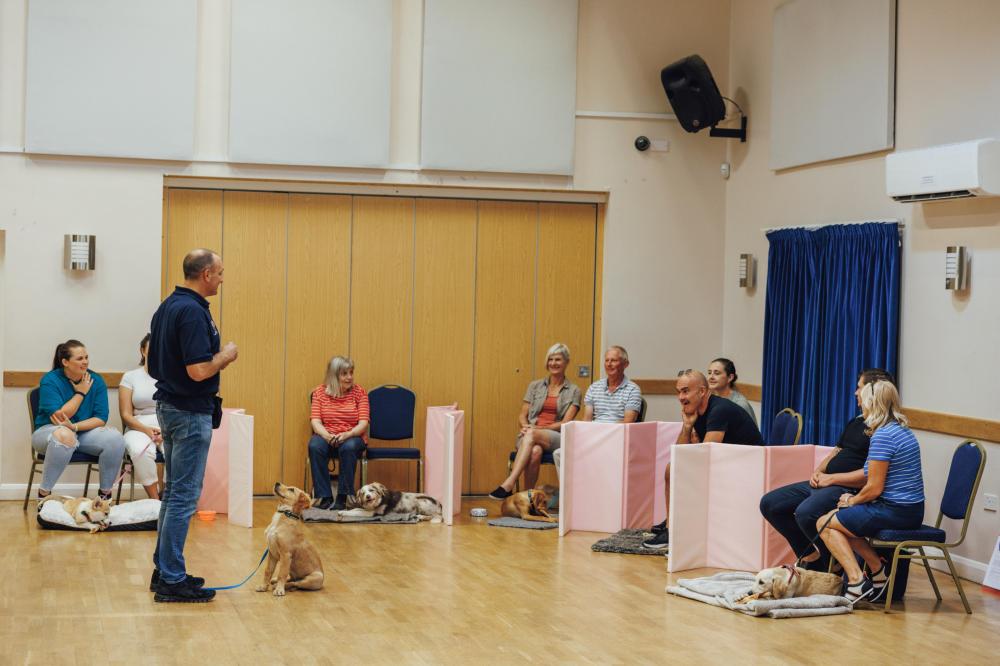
[794, 509]
[706, 418]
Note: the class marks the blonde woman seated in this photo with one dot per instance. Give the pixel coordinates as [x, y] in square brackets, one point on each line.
[142, 429]
[892, 497]
[548, 404]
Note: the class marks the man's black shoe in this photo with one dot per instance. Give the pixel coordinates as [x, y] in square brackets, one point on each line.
[500, 493]
[155, 580]
[183, 593]
[324, 503]
[659, 528]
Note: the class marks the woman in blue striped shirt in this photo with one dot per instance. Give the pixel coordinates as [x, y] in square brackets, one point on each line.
[892, 497]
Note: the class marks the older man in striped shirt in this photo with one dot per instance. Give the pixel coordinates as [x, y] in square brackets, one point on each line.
[614, 399]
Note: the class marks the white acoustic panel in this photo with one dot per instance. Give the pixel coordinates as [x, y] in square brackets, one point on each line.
[833, 83]
[311, 82]
[499, 85]
[111, 78]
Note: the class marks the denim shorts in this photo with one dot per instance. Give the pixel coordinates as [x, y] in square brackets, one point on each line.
[868, 519]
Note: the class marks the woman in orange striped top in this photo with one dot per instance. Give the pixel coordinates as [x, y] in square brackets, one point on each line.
[339, 419]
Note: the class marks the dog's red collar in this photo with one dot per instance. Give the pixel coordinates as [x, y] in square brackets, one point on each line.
[792, 573]
[290, 514]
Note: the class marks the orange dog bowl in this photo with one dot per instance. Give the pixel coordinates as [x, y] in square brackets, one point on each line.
[206, 515]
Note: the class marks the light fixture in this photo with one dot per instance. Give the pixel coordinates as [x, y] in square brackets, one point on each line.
[80, 253]
[956, 268]
[748, 271]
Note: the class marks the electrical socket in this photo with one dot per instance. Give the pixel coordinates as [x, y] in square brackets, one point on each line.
[991, 502]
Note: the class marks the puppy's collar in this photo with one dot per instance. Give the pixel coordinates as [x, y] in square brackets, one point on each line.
[290, 514]
[792, 573]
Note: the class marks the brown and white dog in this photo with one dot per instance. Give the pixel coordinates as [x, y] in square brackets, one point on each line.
[292, 562]
[529, 505]
[93, 514]
[377, 500]
[787, 581]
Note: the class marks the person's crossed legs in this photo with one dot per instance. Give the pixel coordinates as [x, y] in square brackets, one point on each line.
[530, 448]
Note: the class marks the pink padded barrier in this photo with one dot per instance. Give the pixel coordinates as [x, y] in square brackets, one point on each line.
[715, 490]
[612, 474]
[228, 485]
[443, 448]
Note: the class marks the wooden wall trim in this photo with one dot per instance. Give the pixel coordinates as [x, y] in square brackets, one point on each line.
[416, 190]
[30, 378]
[920, 419]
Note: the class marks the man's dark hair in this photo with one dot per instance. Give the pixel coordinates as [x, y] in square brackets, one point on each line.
[196, 262]
[872, 375]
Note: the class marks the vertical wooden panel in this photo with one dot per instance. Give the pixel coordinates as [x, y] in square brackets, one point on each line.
[319, 282]
[505, 291]
[443, 310]
[382, 304]
[598, 360]
[194, 221]
[253, 306]
[565, 311]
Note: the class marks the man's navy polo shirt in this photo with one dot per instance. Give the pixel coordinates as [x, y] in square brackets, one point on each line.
[182, 333]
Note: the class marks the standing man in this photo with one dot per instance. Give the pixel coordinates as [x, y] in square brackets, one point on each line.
[614, 399]
[185, 360]
[705, 418]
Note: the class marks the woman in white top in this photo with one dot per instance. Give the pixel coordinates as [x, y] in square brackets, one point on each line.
[721, 377]
[142, 430]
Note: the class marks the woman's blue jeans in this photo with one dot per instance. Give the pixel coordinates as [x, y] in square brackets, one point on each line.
[347, 453]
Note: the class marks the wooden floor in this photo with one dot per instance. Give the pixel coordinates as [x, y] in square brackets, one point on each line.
[428, 594]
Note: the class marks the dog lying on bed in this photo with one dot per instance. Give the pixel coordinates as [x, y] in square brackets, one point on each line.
[377, 500]
[292, 562]
[787, 581]
[93, 514]
[529, 505]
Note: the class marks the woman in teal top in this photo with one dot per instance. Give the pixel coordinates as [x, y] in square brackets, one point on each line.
[72, 415]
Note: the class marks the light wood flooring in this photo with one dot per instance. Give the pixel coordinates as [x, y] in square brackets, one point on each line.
[429, 594]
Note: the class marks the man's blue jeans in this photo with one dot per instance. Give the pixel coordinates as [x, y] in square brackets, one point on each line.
[794, 509]
[186, 438]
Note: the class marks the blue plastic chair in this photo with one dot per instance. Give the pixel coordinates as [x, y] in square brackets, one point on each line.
[786, 429]
[967, 464]
[39, 458]
[392, 409]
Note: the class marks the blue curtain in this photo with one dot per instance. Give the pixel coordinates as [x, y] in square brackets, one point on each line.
[831, 310]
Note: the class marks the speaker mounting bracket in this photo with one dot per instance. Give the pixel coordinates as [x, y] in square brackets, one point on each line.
[740, 133]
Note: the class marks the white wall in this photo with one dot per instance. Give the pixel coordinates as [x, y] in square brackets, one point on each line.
[664, 221]
[946, 81]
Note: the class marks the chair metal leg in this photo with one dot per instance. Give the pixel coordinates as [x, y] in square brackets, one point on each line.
[86, 483]
[892, 578]
[420, 466]
[958, 583]
[930, 574]
[31, 479]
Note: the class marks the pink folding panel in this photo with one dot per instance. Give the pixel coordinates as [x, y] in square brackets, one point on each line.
[715, 490]
[443, 448]
[228, 485]
[612, 474]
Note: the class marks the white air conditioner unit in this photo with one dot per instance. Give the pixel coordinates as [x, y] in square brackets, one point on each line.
[952, 171]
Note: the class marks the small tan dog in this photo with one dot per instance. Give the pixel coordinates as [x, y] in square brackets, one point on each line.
[787, 581]
[292, 562]
[529, 505]
[93, 514]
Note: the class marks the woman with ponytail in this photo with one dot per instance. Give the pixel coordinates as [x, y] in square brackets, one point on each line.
[72, 415]
[142, 429]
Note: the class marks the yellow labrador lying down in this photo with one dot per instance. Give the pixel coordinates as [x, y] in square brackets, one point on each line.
[787, 581]
[292, 562]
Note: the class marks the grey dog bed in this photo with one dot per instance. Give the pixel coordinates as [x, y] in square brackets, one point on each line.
[727, 588]
[628, 542]
[315, 515]
[508, 521]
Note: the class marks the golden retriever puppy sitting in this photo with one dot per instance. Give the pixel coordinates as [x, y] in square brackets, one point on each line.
[292, 562]
[375, 499]
[787, 581]
[529, 505]
[93, 514]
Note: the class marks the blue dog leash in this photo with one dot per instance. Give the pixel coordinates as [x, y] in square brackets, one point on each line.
[240, 584]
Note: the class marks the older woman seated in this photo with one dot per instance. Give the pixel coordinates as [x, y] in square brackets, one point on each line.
[892, 497]
[72, 413]
[339, 419]
[548, 404]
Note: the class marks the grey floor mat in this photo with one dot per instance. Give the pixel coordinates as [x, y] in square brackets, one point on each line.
[628, 542]
[507, 521]
[315, 515]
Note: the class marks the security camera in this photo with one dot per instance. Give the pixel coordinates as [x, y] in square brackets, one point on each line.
[642, 143]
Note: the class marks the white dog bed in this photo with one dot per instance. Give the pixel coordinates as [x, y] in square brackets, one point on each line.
[725, 589]
[135, 516]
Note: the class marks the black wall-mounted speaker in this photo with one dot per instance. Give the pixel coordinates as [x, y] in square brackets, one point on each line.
[693, 94]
